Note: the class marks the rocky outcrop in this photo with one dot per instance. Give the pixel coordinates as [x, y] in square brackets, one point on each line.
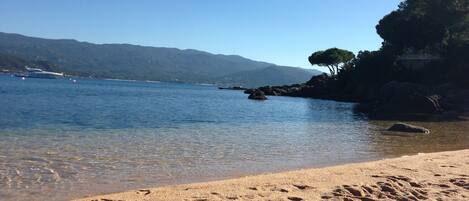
[407, 98]
[233, 88]
[318, 80]
[393, 100]
[249, 91]
[403, 127]
[454, 98]
[318, 87]
[257, 95]
[269, 91]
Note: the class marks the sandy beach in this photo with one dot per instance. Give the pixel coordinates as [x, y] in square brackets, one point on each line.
[434, 176]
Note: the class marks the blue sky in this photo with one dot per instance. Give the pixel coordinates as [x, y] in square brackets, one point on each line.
[284, 32]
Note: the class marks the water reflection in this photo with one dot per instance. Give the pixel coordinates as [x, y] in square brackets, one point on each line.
[444, 136]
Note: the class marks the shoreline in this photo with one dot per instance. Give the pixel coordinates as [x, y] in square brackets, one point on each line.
[423, 176]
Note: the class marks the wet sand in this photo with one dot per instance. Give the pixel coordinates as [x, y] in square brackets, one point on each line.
[435, 176]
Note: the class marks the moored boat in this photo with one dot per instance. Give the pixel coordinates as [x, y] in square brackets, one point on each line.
[39, 73]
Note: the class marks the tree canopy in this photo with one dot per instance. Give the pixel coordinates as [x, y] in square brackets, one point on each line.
[426, 24]
[332, 58]
[435, 27]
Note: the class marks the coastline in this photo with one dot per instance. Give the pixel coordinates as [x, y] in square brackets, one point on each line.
[441, 175]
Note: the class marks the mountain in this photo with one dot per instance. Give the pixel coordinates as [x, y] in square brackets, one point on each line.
[272, 75]
[12, 63]
[9, 63]
[125, 61]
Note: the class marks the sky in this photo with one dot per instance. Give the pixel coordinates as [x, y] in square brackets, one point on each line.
[284, 32]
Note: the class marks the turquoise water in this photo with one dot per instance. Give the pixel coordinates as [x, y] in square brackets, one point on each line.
[61, 139]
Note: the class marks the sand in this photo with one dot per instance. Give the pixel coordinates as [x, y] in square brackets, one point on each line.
[433, 176]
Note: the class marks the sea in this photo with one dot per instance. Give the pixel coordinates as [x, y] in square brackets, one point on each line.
[69, 138]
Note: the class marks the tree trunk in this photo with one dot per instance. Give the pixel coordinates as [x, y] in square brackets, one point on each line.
[336, 69]
[331, 69]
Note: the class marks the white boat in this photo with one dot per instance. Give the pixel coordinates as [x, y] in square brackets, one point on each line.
[39, 73]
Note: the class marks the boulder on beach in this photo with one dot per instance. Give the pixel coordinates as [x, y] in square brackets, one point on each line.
[408, 128]
[257, 95]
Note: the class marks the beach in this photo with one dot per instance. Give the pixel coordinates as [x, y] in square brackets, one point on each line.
[234, 100]
[434, 176]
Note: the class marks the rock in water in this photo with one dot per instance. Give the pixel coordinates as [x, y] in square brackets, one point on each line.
[257, 95]
[402, 127]
[268, 90]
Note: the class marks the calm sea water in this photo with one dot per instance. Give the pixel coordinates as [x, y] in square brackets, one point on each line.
[61, 139]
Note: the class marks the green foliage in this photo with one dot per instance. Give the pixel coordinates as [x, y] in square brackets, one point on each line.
[16, 64]
[11, 63]
[332, 58]
[431, 24]
[434, 27]
[367, 72]
[458, 60]
[438, 27]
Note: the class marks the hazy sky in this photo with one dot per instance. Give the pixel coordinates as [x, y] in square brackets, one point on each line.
[283, 32]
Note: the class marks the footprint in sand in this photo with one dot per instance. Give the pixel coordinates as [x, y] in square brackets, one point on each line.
[393, 187]
[302, 187]
[144, 191]
[252, 188]
[295, 198]
[104, 199]
[280, 190]
[232, 197]
[461, 182]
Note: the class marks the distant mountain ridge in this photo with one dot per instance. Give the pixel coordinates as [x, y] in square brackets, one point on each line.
[125, 61]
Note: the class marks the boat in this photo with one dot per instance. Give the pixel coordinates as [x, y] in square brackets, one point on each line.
[39, 73]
